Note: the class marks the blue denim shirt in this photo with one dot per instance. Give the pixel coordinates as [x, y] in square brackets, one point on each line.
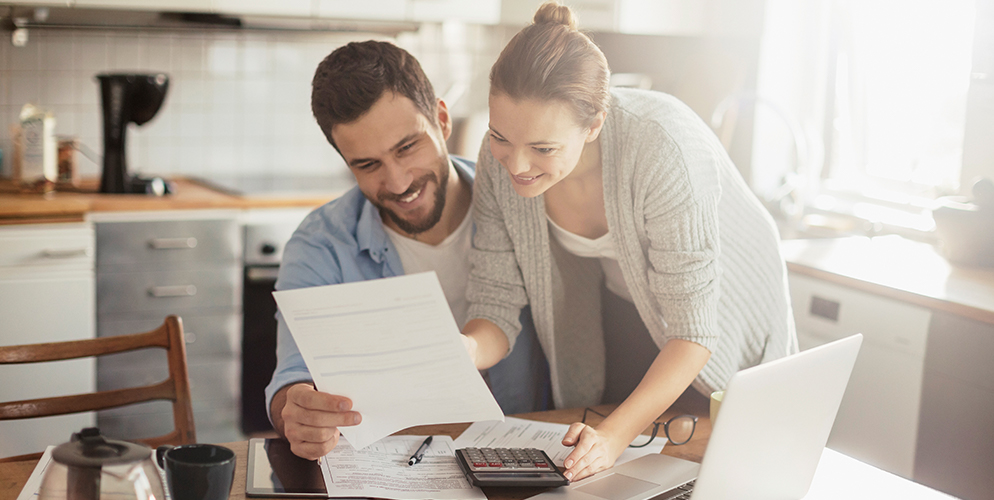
[344, 241]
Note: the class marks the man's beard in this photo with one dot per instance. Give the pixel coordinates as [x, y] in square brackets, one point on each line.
[418, 227]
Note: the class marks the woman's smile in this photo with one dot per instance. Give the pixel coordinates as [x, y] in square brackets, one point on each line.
[526, 180]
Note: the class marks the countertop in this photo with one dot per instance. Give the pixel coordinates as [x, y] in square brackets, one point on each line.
[897, 268]
[72, 206]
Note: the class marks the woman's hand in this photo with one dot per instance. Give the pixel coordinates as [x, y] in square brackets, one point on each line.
[594, 451]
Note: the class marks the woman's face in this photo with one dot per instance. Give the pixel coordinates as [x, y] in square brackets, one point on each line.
[538, 142]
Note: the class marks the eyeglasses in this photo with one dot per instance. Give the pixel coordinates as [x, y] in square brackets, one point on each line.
[678, 430]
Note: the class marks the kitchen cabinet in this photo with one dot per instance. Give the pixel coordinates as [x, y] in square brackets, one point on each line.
[878, 419]
[46, 295]
[291, 8]
[653, 17]
[956, 432]
[378, 10]
[163, 5]
[153, 264]
[594, 15]
[477, 11]
[897, 288]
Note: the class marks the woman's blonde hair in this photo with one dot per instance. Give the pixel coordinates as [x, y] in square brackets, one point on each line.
[551, 60]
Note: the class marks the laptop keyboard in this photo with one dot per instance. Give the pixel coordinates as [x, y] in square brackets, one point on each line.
[681, 492]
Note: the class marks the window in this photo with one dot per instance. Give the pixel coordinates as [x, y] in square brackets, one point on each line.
[879, 91]
[901, 75]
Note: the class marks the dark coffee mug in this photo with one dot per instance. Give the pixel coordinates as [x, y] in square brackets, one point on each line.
[197, 471]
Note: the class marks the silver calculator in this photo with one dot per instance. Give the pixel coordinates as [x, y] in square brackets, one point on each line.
[509, 467]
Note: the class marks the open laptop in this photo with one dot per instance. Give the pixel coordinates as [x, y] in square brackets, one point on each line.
[766, 443]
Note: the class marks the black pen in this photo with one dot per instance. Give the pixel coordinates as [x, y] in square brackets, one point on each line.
[418, 455]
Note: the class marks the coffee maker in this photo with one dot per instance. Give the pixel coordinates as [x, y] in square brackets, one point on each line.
[128, 98]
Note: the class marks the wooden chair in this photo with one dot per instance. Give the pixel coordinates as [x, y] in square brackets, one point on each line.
[176, 388]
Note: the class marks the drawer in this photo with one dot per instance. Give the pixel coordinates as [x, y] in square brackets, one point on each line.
[168, 292]
[167, 244]
[206, 335]
[47, 246]
[830, 311]
[211, 379]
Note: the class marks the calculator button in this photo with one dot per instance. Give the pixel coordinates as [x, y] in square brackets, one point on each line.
[479, 464]
[495, 464]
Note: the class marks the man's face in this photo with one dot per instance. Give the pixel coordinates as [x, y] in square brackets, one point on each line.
[399, 159]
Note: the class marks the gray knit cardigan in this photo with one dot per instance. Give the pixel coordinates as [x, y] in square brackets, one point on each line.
[699, 253]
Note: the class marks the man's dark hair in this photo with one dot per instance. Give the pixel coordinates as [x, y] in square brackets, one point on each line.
[353, 77]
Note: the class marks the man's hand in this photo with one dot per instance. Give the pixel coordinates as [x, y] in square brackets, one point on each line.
[311, 420]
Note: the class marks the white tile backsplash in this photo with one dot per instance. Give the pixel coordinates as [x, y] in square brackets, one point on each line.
[25, 87]
[189, 54]
[58, 88]
[238, 104]
[86, 89]
[256, 57]
[57, 54]
[91, 52]
[126, 55]
[158, 53]
[223, 58]
[27, 58]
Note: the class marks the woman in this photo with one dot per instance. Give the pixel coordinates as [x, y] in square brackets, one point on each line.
[589, 201]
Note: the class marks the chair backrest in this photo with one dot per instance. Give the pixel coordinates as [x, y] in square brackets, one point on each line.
[176, 388]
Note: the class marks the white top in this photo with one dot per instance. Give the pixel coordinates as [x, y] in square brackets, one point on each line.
[602, 248]
[449, 259]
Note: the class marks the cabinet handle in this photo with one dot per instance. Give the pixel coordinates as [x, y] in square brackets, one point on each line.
[173, 291]
[825, 308]
[173, 243]
[66, 254]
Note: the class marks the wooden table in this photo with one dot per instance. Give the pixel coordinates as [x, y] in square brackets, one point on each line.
[13, 475]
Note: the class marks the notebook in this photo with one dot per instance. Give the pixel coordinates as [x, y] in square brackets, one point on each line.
[766, 443]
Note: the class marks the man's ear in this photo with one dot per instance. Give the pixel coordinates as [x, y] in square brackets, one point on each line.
[596, 126]
[444, 119]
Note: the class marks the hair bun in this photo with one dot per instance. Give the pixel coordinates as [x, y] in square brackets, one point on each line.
[555, 13]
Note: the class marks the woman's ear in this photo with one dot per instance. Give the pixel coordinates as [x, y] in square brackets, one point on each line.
[596, 125]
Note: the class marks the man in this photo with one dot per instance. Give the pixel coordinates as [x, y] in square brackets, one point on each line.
[409, 213]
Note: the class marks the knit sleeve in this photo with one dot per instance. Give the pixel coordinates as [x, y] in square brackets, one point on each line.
[496, 290]
[681, 190]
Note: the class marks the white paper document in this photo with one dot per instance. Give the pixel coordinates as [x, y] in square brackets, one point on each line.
[381, 471]
[392, 346]
[520, 433]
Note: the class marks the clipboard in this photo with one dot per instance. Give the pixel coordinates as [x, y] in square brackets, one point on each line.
[274, 471]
